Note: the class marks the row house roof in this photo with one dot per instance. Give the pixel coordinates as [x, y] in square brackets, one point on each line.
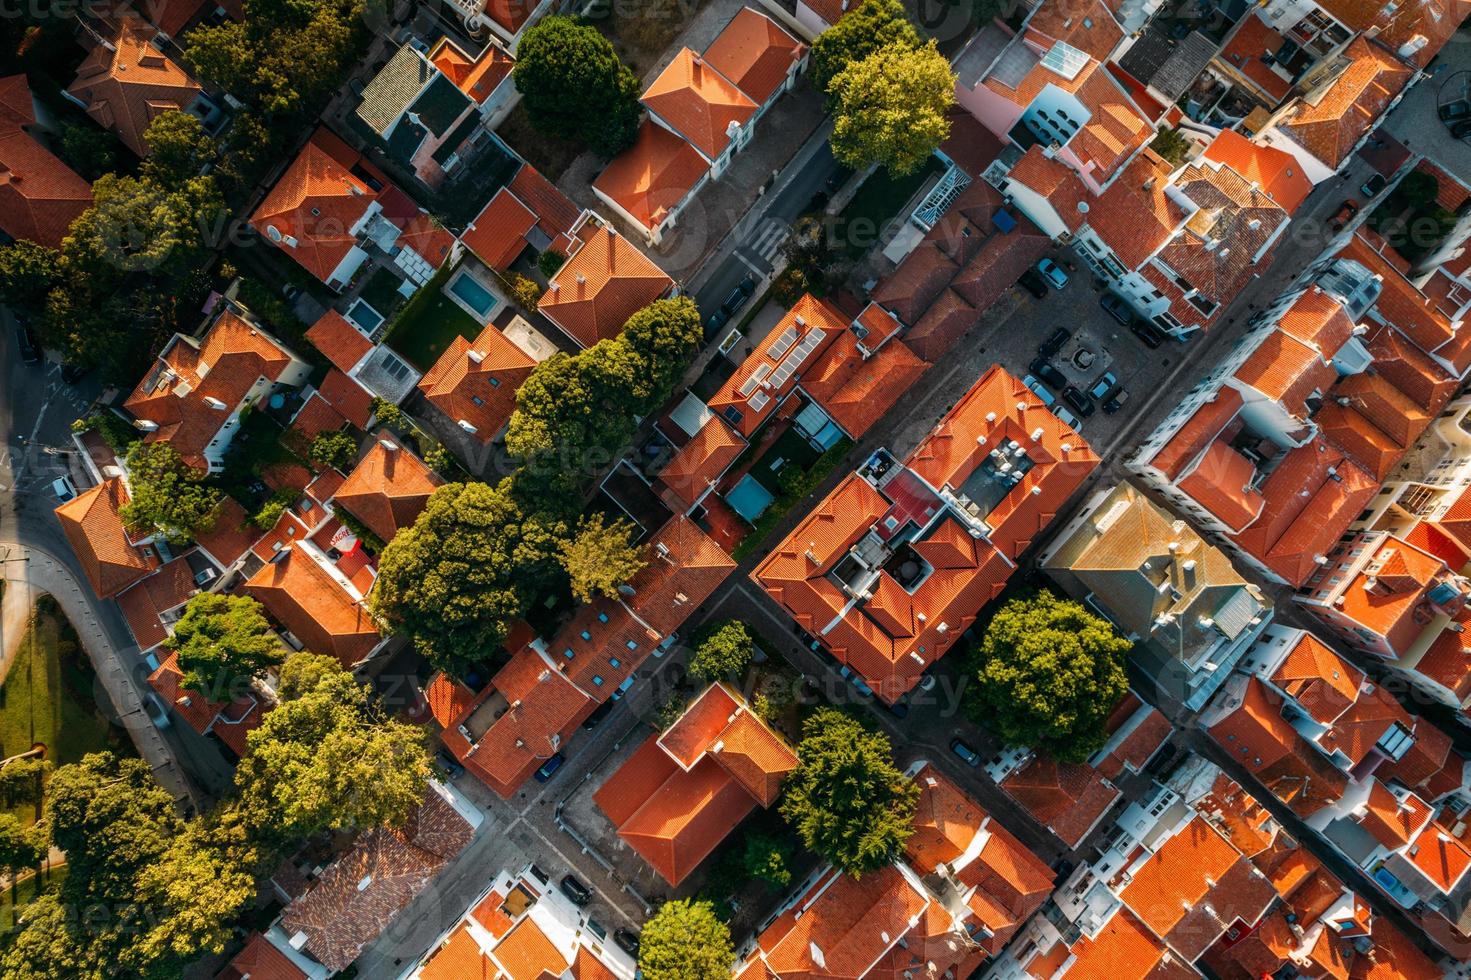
[388, 488]
[604, 282]
[230, 720]
[1331, 118]
[314, 605]
[528, 211]
[92, 522]
[39, 195]
[128, 82]
[474, 382]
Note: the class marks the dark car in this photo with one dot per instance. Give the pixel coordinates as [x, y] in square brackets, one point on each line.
[449, 764]
[1048, 374]
[1373, 185]
[25, 342]
[549, 768]
[1115, 401]
[1078, 401]
[1461, 129]
[1452, 111]
[1054, 343]
[1113, 304]
[596, 718]
[1147, 332]
[1032, 282]
[575, 890]
[967, 754]
[72, 373]
[716, 320]
[1345, 215]
[899, 709]
[627, 941]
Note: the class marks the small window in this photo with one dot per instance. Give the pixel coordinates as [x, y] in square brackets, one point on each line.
[598, 680]
[476, 400]
[614, 662]
[632, 645]
[568, 653]
[602, 617]
[494, 382]
[586, 635]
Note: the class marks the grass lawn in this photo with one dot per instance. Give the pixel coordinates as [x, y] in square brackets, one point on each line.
[429, 324]
[878, 200]
[27, 890]
[550, 155]
[48, 696]
[381, 292]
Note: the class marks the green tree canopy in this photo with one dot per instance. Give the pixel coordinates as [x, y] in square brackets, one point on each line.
[666, 335]
[864, 29]
[335, 449]
[326, 759]
[178, 148]
[136, 224]
[27, 273]
[768, 859]
[890, 108]
[223, 641]
[574, 86]
[22, 848]
[456, 581]
[847, 800]
[1049, 673]
[600, 557]
[723, 650]
[685, 941]
[168, 497]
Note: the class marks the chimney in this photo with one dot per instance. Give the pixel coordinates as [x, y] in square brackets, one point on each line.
[467, 427]
[388, 445]
[476, 356]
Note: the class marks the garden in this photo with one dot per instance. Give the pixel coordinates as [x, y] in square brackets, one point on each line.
[428, 323]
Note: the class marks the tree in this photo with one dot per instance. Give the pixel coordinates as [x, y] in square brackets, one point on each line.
[326, 759]
[178, 148]
[813, 263]
[223, 641]
[386, 413]
[168, 498]
[88, 149]
[136, 224]
[1170, 144]
[22, 782]
[574, 87]
[549, 261]
[768, 858]
[525, 293]
[334, 449]
[722, 651]
[665, 335]
[456, 581]
[1049, 673]
[846, 800]
[890, 108]
[864, 29]
[685, 941]
[22, 848]
[600, 557]
[27, 273]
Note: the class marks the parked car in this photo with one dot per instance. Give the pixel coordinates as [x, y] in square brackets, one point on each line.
[1078, 401]
[1055, 342]
[549, 768]
[1452, 111]
[1147, 332]
[1115, 401]
[1113, 304]
[1373, 185]
[448, 764]
[627, 941]
[1048, 373]
[739, 295]
[1061, 411]
[63, 488]
[1103, 385]
[72, 373]
[852, 676]
[967, 754]
[1345, 215]
[1053, 273]
[25, 342]
[599, 713]
[716, 320]
[899, 709]
[575, 890]
[1461, 129]
[1032, 282]
[1040, 390]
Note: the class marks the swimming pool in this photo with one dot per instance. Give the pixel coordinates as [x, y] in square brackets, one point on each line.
[474, 296]
[749, 498]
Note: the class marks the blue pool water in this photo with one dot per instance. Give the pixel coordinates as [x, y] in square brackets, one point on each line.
[473, 295]
[365, 316]
[749, 498]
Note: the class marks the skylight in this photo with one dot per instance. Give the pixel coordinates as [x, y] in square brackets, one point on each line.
[1065, 60]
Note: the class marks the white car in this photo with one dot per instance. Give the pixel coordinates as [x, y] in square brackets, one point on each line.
[63, 488]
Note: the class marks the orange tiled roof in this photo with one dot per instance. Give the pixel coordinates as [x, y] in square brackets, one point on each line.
[313, 418]
[699, 462]
[1252, 39]
[39, 195]
[348, 397]
[1390, 603]
[1088, 25]
[601, 286]
[478, 76]
[196, 710]
[388, 488]
[94, 526]
[653, 176]
[1198, 432]
[260, 960]
[755, 756]
[698, 102]
[459, 957]
[1318, 679]
[447, 700]
[1134, 215]
[1392, 822]
[1276, 171]
[1115, 131]
[128, 83]
[339, 341]
[498, 233]
[1287, 371]
[1056, 181]
[476, 381]
[755, 53]
[856, 391]
[315, 607]
[750, 397]
[1378, 424]
[232, 535]
[527, 954]
[1441, 858]
[190, 393]
[1069, 799]
[144, 604]
[846, 927]
[1330, 121]
[316, 203]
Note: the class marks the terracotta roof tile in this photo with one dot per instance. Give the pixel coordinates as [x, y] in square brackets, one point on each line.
[652, 177]
[698, 102]
[1198, 432]
[129, 82]
[700, 462]
[1440, 857]
[847, 927]
[93, 524]
[144, 604]
[498, 233]
[315, 607]
[1318, 679]
[388, 488]
[755, 757]
[478, 76]
[1330, 121]
[476, 381]
[232, 535]
[260, 960]
[755, 53]
[1276, 171]
[527, 953]
[1054, 180]
[348, 397]
[604, 283]
[339, 341]
[39, 195]
[1068, 799]
[1392, 821]
[1244, 51]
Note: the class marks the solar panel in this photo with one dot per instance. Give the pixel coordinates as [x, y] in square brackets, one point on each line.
[759, 401]
[762, 370]
[1065, 59]
[783, 343]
